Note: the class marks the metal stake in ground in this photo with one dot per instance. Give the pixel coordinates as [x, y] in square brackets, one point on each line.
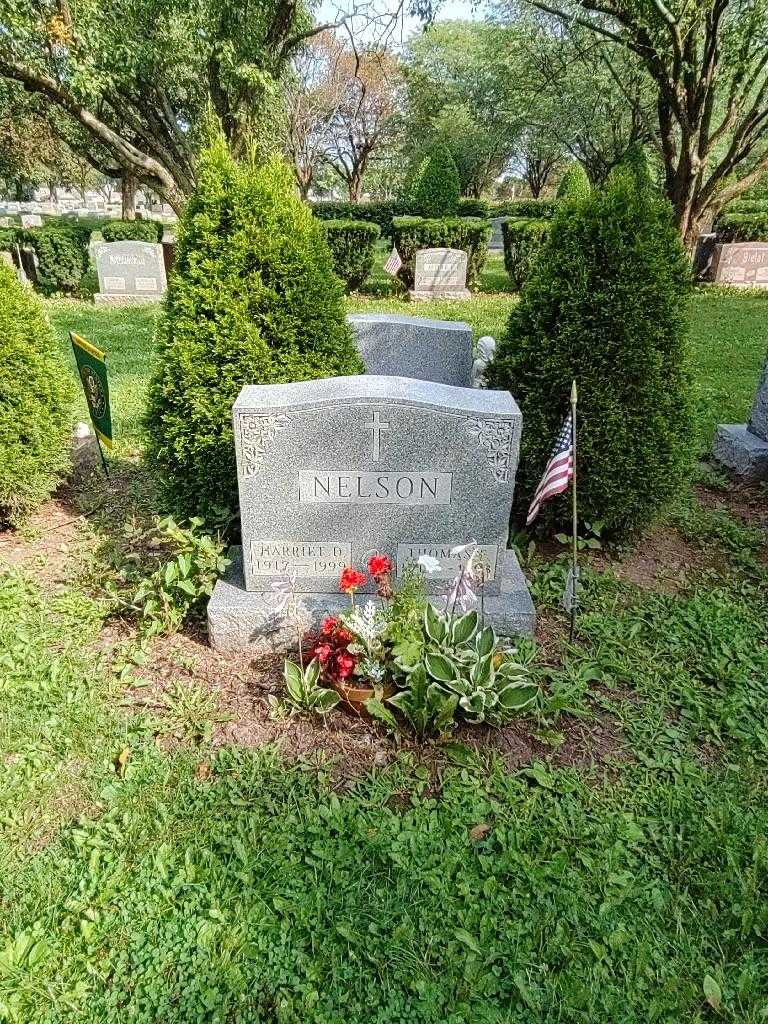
[574, 595]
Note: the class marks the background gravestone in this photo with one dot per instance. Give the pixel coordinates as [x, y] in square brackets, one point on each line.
[31, 220]
[331, 470]
[743, 447]
[129, 272]
[408, 346]
[440, 274]
[742, 264]
[496, 242]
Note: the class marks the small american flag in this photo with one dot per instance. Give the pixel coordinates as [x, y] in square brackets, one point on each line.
[394, 262]
[559, 471]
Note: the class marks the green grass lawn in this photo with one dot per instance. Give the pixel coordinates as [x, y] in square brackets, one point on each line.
[150, 880]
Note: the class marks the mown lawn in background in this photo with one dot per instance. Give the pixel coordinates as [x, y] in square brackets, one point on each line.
[729, 341]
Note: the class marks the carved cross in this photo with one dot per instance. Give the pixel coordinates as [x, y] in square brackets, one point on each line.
[377, 425]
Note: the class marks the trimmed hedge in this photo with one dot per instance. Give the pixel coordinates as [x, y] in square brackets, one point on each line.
[742, 227]
[376, 213]
[467, 233]
[606, 304]
[468, 207]
[252, 300]
[534, 209]
[435, 189]
[574, 184]
[353, 247]
[36, 396]
[132, 231]
[523, 240]
[62, 254]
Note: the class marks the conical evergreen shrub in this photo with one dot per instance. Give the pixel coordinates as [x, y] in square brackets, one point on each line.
[435, 189]
[36, 394]
[253, 299]
[606, 304]
[574, 184]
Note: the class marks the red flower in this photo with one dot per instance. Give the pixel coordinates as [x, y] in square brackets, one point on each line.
[345, 665]
[351, 579]
[379, 565]
[322, 652]
[329, 625]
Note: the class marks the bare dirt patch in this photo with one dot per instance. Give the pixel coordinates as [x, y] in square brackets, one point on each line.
[747, 503]
[245, 690]
[47, 543]
[662, 560]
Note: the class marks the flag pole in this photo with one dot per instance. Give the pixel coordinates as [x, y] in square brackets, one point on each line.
[575, 515]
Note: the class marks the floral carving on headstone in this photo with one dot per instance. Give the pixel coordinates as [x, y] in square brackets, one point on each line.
[256, 433]
[496, 438]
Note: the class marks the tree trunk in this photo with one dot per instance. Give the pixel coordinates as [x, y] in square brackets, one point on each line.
[130, 185]
[355, 187]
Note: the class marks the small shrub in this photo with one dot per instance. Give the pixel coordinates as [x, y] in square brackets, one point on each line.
[523, 240]
[606, 304]
[132, 231]
[253, 300]
[62, 254]
[469, 207]
[353, 247]
[36, 396]
[467, 233]
[180, 587]
[435, 189]
[574, 184]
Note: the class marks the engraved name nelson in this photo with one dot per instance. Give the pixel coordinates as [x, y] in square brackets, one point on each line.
[374, 488]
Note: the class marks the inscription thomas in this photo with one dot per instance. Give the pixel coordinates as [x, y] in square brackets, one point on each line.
[320, 560]
[366, 488]
[450, 565]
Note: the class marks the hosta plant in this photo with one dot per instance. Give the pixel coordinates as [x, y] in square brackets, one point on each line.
[302, 684]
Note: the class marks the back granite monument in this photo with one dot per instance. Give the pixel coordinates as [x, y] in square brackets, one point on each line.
[129, 272]
[410, 346]
[332, 470]
[440, 274]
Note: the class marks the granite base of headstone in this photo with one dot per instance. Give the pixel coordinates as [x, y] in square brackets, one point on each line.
[130, 273]
[409, 346]
[743, 447]
[440, 274]
[330, 471]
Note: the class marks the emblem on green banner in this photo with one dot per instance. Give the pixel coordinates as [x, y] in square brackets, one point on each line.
[92, 368]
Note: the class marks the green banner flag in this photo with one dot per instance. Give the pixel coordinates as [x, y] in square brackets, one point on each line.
[92, 368]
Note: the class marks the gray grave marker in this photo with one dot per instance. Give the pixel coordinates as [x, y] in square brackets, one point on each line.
[742, 264]
[743, 447]
[440, 274]
[129, 272]
[408, 346]
[331, 470]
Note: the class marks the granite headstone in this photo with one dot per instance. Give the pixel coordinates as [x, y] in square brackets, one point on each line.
[332, 470]
[129, 272]
[409, 346]
[31, 220]
[743, 447]
[440, 274]
[742, 264]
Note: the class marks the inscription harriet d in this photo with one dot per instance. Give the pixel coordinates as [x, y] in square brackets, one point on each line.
[355, 488]
[323, 560]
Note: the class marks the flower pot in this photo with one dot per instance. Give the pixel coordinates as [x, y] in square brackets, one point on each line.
[355, 696]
